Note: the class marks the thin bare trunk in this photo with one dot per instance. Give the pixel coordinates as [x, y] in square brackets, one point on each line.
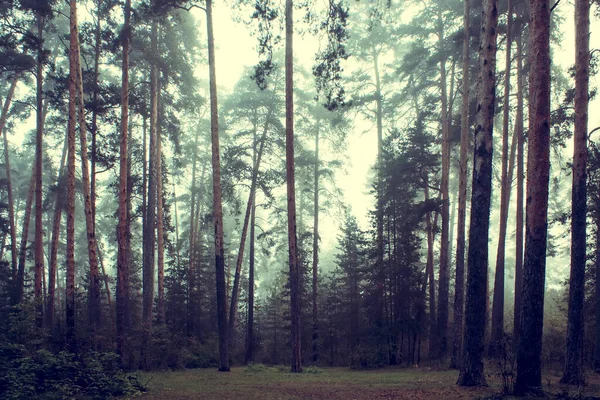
[291, 191]
[459, 285]
[11, 204]
[24, 238]
[123, 233]
[249, 206]
[39, 207]
[573, 372]
[72, 122]
[161, 314]
[315, 261]
[217, 202]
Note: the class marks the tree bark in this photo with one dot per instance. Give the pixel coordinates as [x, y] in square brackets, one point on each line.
[58, 209]
[471, 371]
[217, 202]
[11, 204]
[161, 314]
[596, 362]
[315, 263]
[39, 207]
[191, 309]
[498, 300]
[71, 126]
[123, 271]
[295, 287]
[529, 362]
[573, 372]
[249, 207]
[95, 94]
[459, 285]
[520, 186]
[148, 270]
[250, 335]
[94, 305]
[444, 276]
[24, 238]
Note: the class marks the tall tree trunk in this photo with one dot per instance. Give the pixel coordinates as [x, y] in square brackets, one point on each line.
[596, 362]
[429, 276]
[249, 206]
[148, 270]
[161, 314]
[123, 270]
[498, 301]
[250, 326]
[39, 207]
[471, 371]
[191, 309]
[217, 202]
[94, 305]
[176, 216]
[71, 126]
[95, 94]
[444, 277]
[379, 215]
[11, 204]
[520, 186]
[295, 287]
[573, 373]
[529, 360]
[58, 209]
[459, 285]
[315, 264]
[24, 238]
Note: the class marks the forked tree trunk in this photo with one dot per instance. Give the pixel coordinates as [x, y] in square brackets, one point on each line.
[249, 206]
[573, 373]
[11, 204]
[498, 301]
[459, 285]
[295, 310]
[529, 357]
[123, 228]
[471, 370]
[70, 276]
[217, 202]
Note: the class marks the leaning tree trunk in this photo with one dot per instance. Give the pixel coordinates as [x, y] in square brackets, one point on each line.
[11, 204]
[249, 207]
[94, 305]
[459, 285]
[123, 227]
[39, 207]
[529, 349]
[471, 371]
[295, 309]
[573, 373]
[520, 185]
[505, 183]
[71, 126]
[250, 327]
[217, 202]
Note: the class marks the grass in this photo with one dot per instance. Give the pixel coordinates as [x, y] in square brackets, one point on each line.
[277, 383]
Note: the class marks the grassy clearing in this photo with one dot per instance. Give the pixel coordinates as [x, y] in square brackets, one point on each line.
[277, 383]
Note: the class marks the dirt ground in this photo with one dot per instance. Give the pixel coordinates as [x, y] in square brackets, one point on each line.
[276, 383]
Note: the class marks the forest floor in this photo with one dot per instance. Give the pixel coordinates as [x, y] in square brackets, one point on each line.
[277, 383]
